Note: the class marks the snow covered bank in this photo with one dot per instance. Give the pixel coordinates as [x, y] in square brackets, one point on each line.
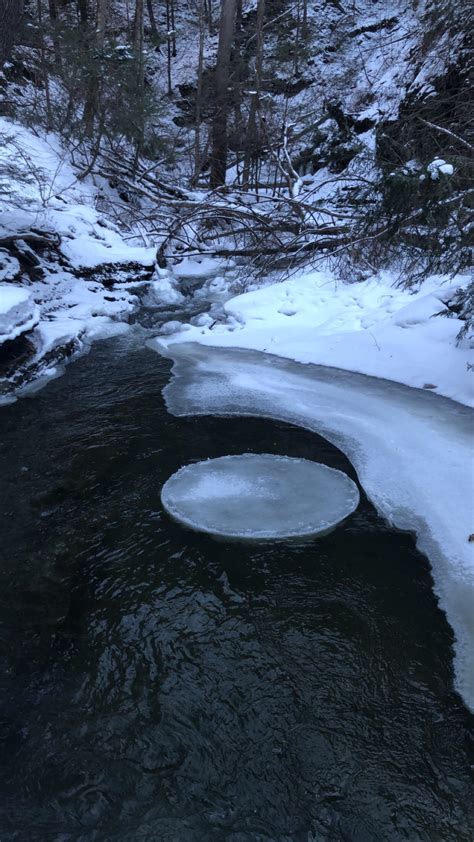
[71, 313]
[54, 247]
[43, 191]
[370, 327]
[18, 312]
[412, 451]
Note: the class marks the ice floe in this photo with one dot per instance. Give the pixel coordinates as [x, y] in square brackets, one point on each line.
[260, 497]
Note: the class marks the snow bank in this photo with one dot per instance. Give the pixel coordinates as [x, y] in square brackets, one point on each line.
[45, 192]
[412, 451]
[370, 327]
[40, 190]
[88, 312]
[18, 311]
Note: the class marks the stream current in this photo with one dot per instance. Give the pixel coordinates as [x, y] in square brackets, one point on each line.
[159, 685]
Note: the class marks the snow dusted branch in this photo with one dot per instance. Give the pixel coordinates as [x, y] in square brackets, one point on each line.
[447, 132]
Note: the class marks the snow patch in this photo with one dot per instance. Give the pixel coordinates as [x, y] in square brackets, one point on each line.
[439, 167]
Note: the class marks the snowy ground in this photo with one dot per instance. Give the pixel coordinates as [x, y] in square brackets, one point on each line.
[370, 327]
[412, 451]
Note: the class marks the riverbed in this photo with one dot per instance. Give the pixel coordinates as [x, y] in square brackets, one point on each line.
[160, 685]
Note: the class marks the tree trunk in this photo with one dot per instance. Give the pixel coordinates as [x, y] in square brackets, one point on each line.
[254, 104]
[138, 25]
[304, 25]
[197, 131]
[44, 66]
[10, 17]
[53, 16]
[82, 9]
[296, 68]
[173, 30]
[222, 80]
[91, 105]
[138, 50]
[168, 46]
[210, 21]
[152, 19]
[102, 14]
[239, 68]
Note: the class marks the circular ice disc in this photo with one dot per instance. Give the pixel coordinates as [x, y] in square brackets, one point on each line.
[259, 497]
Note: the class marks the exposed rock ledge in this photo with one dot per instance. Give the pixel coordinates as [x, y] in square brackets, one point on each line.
[51, 308]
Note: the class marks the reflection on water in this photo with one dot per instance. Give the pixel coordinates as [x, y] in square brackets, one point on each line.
[158, 685]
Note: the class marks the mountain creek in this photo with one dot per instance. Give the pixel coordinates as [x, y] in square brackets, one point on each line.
[157, 684]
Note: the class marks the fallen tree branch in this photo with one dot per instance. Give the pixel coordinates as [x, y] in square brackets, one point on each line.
[447, 132]
[262, 251]
[127, 168]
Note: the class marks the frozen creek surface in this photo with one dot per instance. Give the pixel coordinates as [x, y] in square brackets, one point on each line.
[260, 497]
[159, 686]
[412, 452]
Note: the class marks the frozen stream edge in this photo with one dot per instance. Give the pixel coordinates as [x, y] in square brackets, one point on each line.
[412, 451]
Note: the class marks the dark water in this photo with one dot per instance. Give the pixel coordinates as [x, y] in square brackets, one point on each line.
[158, 685]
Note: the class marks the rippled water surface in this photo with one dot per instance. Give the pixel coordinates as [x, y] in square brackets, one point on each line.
[159, 685]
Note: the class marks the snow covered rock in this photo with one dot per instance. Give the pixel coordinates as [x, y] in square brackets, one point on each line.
[260, 497]
[171, 327]
[163, 291]
[18, 312]
[202, 320]
[197, 269]
[439, 167]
